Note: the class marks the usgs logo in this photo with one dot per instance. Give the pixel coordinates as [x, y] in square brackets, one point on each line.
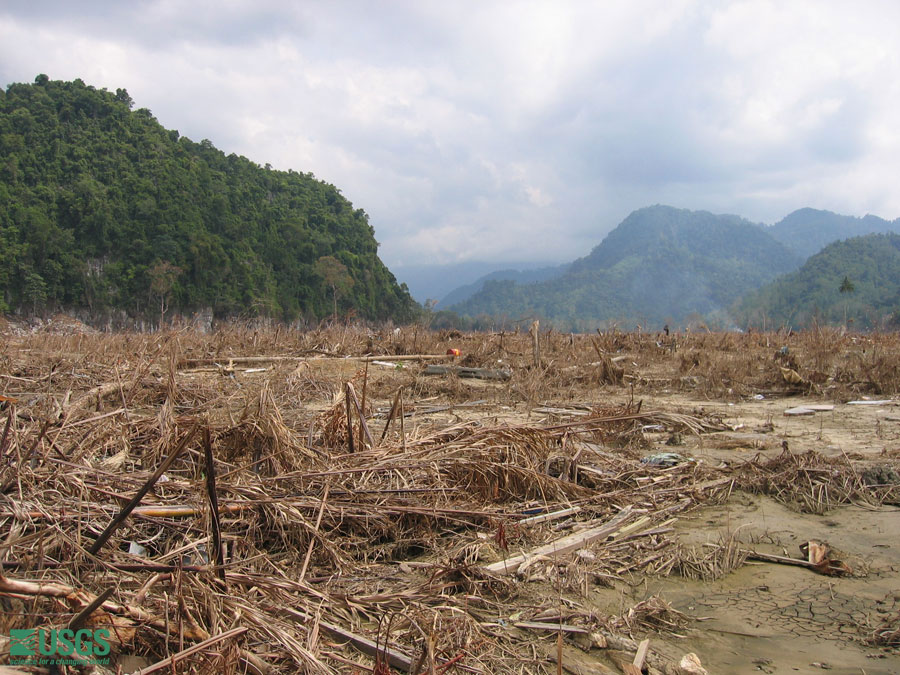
[64, 646]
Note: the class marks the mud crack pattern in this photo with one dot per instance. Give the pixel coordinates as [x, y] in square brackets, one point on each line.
[819, 613]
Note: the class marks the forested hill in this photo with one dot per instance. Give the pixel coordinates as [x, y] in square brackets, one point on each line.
[103, 208]
[660, 265]
[855, 280]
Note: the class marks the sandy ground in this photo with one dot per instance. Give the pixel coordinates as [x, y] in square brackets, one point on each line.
[775, 618]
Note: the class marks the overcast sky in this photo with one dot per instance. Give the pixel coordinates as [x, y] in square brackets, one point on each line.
[509, 130]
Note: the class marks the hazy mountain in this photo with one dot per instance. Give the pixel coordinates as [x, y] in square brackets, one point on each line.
[659, 265]
[808, 231]
[465, 292]
[857, 279]
[434, 282]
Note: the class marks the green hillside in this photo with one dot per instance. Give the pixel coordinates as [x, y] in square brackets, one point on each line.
[660, 265]
[855, 280]
[102, 208]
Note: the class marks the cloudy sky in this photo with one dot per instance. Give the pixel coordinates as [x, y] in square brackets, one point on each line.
[508, 129]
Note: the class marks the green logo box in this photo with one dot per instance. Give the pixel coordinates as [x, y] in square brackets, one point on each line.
[64, 642]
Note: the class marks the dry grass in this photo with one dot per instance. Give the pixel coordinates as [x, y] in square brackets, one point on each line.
[343, 514]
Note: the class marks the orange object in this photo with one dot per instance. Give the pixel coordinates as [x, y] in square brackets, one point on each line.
[452, 352]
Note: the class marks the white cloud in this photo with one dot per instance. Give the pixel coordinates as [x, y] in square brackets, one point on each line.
[520, 130]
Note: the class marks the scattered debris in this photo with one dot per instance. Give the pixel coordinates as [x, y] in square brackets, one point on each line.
[664, 459]
[690, 665]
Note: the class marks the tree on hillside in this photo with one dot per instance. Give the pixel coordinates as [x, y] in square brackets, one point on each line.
[847, 287]
[335, 275]
[35, 291]
[163, 275]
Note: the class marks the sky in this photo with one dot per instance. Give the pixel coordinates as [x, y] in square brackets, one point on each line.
[507, 129]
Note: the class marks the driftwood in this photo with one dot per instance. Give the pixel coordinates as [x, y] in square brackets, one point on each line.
[564, 545]
[463, 371]
[94, 396]
[818, 559]
[545, 517]
[195, 363]
[552, 627]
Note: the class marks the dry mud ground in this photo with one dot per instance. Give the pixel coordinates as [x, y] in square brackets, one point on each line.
[775, 618]
[389, 540]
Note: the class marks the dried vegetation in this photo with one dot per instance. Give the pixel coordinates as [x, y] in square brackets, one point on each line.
[263, 500]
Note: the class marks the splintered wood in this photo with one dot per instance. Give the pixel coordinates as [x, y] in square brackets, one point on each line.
[330, 517]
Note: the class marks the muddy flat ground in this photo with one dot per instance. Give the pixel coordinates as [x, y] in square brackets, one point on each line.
[774, 618]
[517, 512]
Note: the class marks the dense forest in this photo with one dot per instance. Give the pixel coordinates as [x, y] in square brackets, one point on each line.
[101, 208]
[856, 282]
[660, 265]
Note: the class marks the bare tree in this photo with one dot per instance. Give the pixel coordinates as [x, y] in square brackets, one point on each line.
[163, 275]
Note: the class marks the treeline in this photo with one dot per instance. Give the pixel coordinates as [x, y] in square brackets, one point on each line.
[102, 208]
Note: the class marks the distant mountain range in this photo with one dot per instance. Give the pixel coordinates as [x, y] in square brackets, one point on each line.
[435, 282]
[666, 265]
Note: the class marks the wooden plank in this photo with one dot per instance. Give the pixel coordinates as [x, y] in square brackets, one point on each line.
[770, 557]
[642, 650]
[553, 627]
[564, 545]
[544, 517]
[639, 524]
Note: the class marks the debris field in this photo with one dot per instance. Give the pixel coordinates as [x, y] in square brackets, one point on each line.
[349, 500]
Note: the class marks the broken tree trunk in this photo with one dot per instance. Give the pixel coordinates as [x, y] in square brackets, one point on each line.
[535, 331]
